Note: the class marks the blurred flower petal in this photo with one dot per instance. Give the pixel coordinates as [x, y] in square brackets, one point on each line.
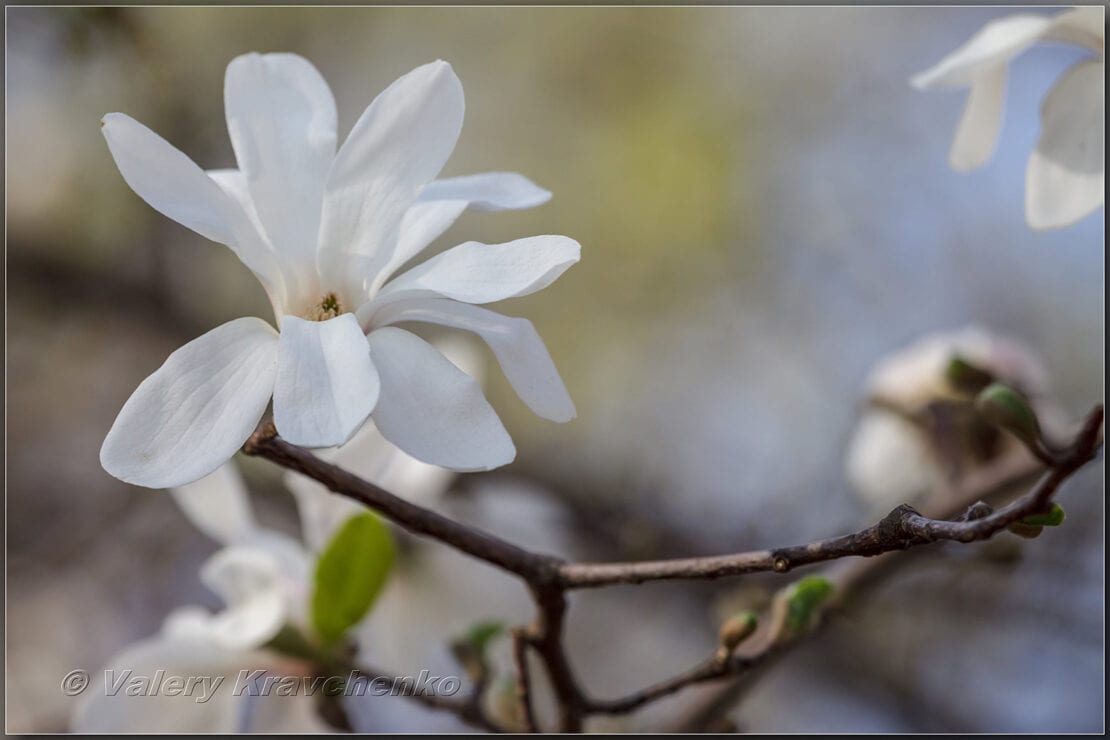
[981, 120]
[1065, 178]
[250, 584]
[996, 43]
[218, 505]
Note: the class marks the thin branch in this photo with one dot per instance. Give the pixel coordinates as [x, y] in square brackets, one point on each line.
[523, 682]
[533, 567]
[549, 578]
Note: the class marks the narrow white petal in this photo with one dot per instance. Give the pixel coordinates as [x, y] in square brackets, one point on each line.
[483, 273]
[281, 118]
[397, 147]
[981, 120]
[250, 583]
[440, 203]
[488, 191]
[326, 383]
[518, 347]
[996, 43]
[174, 186]
[420, 226]
[195, 411]
[1065, 178]
[431, 409]
[218, 505]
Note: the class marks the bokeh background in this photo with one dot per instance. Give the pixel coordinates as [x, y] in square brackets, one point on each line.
[765, 210]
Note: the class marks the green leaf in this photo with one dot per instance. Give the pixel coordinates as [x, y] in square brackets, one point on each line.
[1053, 517]
[806, 598]
[1006, 408]
[349, 575]
[965, 377]
[480, 635]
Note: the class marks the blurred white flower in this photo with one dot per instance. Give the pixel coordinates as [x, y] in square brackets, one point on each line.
[325, 231]
[913, 437]
[1064, 178]
[264, 578]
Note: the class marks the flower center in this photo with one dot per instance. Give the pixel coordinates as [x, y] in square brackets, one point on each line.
[328, 308]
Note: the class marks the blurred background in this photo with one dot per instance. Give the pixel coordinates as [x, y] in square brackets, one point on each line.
[765, 210]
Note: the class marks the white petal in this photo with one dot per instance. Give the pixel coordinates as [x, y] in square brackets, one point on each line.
[981, 120]
[397, 147]
[174, 186]
[996, 43]
[218, 505]
[194, 412]
[326, 384]
[106, 706]
[431, 409]
[281, 118]
[1065, 178]
[420, 226]
[488, 191]
[1084, 26]
[515, 342]
[250, 583]
[439, 205]
[483, 273]
[321, 511]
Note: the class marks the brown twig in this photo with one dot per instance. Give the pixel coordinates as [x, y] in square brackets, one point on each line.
[523, 682]
[549, 577]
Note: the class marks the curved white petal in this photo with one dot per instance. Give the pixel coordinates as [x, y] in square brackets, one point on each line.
[1065, 179]
[515, 342]
[197, 409]
[326, 383]
[488, 191]
[250, 583]
[281, 118]
[981, 120]
[431, 409]
[212, 707]
[483, 273]
[996, 43]
[218, 505]
[176, 187]
[397, 147]
[440, 203]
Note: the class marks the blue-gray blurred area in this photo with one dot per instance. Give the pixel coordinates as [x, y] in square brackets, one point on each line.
[765, 210]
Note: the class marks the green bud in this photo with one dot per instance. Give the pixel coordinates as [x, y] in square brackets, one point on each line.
[1028, 531]
[1051, 517]
[736, 629]
[804, 601]
[966, 378]
[1006, 408]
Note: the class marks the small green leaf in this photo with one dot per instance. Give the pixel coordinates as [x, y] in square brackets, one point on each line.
[806, 599]
[965, 377]
[1054, 517]
[1006, 408]
[349, 575]
[480, 635]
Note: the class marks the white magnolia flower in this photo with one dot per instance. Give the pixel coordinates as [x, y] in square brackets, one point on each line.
[264, 578]
[325, 231]
[1064, 178]
[893, 456]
